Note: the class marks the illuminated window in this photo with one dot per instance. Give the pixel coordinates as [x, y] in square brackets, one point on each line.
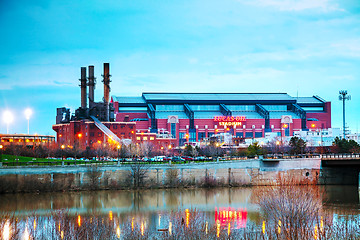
[138, 138]
[144, 138]
[151, 138]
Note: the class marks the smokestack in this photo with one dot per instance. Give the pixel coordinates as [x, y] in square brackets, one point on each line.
[106, 82]
[83, 88]
[91, 84]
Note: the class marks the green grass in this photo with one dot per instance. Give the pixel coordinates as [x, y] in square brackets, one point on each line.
[12, 158]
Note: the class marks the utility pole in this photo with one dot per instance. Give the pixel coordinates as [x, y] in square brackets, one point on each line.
[342, 97]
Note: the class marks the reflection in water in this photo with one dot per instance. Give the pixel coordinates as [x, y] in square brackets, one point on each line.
[223, 213]
[227, 215]
[7, 230]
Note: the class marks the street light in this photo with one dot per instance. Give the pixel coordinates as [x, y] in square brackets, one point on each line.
[8, 118]
[62, 152]
[342, 97]
[1, 149]
[118, 148]
[28, 113]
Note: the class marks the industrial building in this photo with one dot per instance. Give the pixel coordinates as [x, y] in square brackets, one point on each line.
[174, 119]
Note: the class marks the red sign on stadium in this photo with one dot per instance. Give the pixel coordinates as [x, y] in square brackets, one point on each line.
[230, 120]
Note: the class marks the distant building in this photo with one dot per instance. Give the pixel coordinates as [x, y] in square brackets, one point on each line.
[26, 140]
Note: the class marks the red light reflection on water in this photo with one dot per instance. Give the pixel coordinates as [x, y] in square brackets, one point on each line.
[231, 215]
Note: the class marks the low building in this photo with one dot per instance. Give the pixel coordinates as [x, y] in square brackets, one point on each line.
[26, 140]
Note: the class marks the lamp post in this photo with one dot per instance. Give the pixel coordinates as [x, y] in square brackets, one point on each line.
[1, 149]
[28, 113]
[8, 118]
[118, 150]
[62, 152]
[342, 97]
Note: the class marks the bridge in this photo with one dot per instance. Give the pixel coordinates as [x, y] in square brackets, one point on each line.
[342, 169]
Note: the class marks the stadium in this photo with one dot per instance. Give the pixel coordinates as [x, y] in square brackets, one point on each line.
[175, 119]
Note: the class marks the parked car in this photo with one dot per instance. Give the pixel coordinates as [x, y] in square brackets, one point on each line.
[200, 158]
[159, 158]
[177, 159]
[187, 158]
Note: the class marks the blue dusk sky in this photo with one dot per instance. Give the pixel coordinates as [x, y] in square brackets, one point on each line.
[301, 47]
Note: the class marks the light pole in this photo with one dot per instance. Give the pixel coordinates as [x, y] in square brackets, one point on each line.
[28, 113]
[118, 150]
[8, 118]
[342, 97]
[62, 152]
[1, 149]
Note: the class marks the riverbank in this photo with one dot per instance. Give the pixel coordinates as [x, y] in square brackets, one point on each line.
[253, 172]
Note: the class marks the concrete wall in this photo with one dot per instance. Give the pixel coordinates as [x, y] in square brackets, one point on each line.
[233, 173]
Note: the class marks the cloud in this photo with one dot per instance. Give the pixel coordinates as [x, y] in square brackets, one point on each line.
[295, 5]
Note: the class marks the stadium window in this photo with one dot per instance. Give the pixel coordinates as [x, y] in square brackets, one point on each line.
[192, 137]
[239, 134]
[249, 135]
[201, 135]
[173, 130]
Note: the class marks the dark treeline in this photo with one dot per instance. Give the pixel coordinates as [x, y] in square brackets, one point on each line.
[295, 146]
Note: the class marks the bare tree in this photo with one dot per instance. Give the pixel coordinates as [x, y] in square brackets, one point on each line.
[138, 174]
[93, 174]
[172, 177]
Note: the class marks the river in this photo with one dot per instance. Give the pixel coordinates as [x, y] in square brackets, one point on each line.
[227, 209]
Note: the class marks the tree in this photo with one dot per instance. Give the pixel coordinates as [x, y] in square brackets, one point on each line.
[138, 174]
[254, 149]
[297, 145]
[188, 150]
[345, 146]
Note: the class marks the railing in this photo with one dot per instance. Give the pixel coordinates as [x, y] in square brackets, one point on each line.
[105, 130]
[340, 156]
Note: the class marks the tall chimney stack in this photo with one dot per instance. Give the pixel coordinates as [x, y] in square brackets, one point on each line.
[91, 84]
[83, 88]
[106, 82]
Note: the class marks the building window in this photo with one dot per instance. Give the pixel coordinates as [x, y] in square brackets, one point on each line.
[210, 134]
[258, 134]
[151, 138]
[239, 134]
[249, 135]
[131, 127]
[122, 126]
[287, 131]
[192, 136]
[173, 130]
[92, 126]
[201, 135]
[99, 134]
[138, 138]
[91, 134]
[114, 126]
[145, 138]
